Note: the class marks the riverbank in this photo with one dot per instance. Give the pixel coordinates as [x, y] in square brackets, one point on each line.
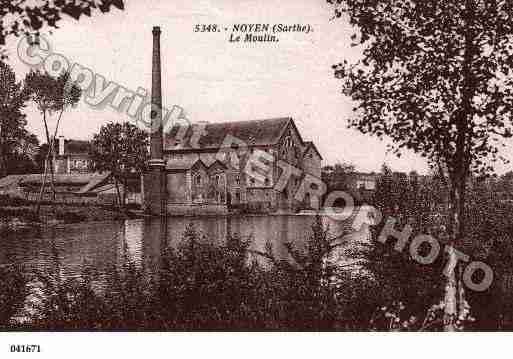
[23, 217]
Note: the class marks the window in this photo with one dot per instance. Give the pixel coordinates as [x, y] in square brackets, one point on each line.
[197, 179]
[267, 181]
[217, 179]
[237, 179]
[252, 181]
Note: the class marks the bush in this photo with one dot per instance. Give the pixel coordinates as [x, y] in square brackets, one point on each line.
[12, 296]
[7, 200]
[22, 213]
[199, 286]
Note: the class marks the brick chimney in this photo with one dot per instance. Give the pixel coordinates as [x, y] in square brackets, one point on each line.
[154, 180]
[156, 99]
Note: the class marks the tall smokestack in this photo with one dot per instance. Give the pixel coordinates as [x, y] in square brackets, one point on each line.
[154, 180]
[156, 99]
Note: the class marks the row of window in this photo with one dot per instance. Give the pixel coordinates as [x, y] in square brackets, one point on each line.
[252, 181]
[198, 179]
[217, 179]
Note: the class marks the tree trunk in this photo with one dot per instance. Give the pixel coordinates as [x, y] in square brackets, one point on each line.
[124, 192]
[49, 155]
[52, 157]
[454, 294]
[3, 151]
[41, 191]
[45, 163]
[51, 164]
[116, 183]
[454, 291]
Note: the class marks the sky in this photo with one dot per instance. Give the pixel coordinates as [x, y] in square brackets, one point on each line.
[216, 81]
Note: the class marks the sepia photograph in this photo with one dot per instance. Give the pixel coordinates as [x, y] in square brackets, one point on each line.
[241, 167]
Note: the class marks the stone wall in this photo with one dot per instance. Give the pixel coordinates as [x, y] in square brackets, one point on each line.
[312, 163]
[177, 187]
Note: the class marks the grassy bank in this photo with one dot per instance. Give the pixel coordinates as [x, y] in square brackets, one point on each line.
[19, 212]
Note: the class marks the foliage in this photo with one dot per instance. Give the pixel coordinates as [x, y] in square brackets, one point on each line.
[434, 78]
[14, 290]
[396, 277]
[198, 285]
[122, 149]
[337, 177]
[16, 142]
[489, 223]
[51, 95]
[24, 17]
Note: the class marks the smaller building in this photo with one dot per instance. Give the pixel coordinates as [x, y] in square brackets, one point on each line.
[95, 188]
[72, 156]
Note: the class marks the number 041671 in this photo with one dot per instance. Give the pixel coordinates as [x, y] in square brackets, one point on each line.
[25, 348]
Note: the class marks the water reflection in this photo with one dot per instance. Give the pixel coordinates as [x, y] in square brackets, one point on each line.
[103, 244]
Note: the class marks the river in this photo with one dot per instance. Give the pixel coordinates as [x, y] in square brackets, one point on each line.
[100, 245]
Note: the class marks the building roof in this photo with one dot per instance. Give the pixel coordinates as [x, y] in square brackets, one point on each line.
[253, 133]
[188, 163]
[95, 182]
[181, 164]
[105, 188]
[73, 147]
[90, 182]
[62, 179]
[312, 145]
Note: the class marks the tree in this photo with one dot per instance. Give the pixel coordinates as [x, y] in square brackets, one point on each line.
[121, 149]
[434, 78]
[52, 95]
[24, 17]
[337, 176]
[13, 134]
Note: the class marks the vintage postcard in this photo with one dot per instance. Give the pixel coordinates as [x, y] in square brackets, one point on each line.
[255, 166]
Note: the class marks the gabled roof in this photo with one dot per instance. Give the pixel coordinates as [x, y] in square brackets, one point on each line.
[62, 179]
[310, 144]
[189, 163]
[253, 133]
[218, 164]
